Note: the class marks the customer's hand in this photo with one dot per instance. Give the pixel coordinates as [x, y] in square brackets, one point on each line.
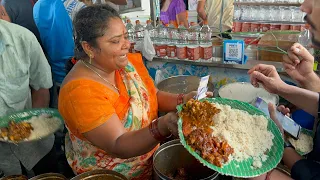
[268, 76]
[284, 110]
[273, 116]
[298, 63]
[192, 94]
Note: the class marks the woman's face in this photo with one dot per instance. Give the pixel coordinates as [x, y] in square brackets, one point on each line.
[113, 47]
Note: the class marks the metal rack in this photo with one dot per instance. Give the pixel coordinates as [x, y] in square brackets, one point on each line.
[266, 4]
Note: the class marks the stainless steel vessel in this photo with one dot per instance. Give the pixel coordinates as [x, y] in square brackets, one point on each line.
[172, 156]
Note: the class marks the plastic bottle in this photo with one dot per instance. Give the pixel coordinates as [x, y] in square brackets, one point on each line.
[139, 31]
[182, 42]
[130, 29]
[205, 41]
[173, 40]
[151, 30]
[131, 34]
[161, 42]
[193, 47]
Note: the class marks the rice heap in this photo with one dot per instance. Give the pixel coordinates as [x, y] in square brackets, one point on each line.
[247, 134]
[43, 126]
[304, 144]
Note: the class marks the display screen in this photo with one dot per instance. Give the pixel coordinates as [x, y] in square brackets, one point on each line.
[287, 123]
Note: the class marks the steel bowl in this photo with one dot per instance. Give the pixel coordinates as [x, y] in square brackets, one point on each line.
[172, 156]
[181, 84]
[49, 176]
[101, 174]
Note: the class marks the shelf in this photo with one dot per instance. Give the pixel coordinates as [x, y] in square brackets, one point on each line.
[218, 63]
[266, 4]
[131, 10]
[271, 22]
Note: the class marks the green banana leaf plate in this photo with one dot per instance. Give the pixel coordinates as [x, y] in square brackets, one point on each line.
[241, 169]
[28, 114]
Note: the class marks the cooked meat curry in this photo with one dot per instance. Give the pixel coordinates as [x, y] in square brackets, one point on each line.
[16, 131]
[197, 119]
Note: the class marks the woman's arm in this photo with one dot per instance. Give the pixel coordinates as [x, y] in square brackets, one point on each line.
[182, 17]
[167, 101]
[116, 141]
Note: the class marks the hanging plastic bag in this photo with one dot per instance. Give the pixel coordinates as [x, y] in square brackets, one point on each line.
[147, 47]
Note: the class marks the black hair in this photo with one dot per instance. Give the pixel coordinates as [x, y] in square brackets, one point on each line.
[89, 24]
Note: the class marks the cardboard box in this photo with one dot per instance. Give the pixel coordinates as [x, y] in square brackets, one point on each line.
[269, 42]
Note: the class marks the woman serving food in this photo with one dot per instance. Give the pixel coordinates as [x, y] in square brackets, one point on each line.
[109, 102]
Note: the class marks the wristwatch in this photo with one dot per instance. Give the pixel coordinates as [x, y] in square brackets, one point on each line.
[287, 144]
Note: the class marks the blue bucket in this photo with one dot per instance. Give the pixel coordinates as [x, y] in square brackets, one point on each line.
[304, 119]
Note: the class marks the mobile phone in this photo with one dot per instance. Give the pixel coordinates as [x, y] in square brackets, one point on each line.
[288, 125]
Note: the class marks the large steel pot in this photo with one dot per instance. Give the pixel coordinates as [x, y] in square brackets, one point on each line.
[172, 156]
[102, 174]
[49, 176]
[181, 84]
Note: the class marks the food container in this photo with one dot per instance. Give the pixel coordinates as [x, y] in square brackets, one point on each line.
[15, 177]
[172, 156]
[255, 27]
[193, 52]
[285, 27]
[246, 92]
[102, 174]
[181, 51]
[295, 27]
[206, 51]
[275, 27]
[171, 51]
[245, 27]
[161, 50]
[265, 27]
[49, 176]
[237, 26]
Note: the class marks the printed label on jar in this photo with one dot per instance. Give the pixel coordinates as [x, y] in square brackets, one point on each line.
[207, 52]
[182, 52]
[171, 51]
[193, 52]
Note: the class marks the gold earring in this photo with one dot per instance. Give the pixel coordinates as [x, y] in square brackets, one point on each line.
[90, 60]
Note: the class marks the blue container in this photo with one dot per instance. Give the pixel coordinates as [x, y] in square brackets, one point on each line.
[304, 119]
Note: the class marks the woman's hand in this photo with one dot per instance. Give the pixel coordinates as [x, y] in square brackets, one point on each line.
[192, 94]
[168, 124]
[268, 76]
[273, 116]
[298, 63]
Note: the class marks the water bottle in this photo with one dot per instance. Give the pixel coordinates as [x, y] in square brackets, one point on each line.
[139, 31]
[206, 50]
[182, 41]
[162, 40]
[130, 30]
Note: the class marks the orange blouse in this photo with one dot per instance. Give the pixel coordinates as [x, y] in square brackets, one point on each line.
[86, 104]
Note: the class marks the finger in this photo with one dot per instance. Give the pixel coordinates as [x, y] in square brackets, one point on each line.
[288, 66]
[283, 110]
[272, 111]
[209, 94]
[259, 77]
[273, 116]
[301, 51]
[293, 57]
[287, 60]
